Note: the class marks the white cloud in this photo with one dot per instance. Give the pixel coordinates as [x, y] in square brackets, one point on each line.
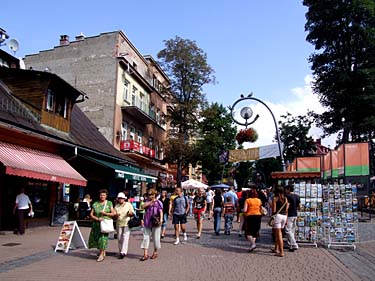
[303, 101]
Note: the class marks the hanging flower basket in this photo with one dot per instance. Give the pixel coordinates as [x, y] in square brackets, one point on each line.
[246, 135]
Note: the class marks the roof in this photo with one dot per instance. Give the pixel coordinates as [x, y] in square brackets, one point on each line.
[296, 175]
[82, 133]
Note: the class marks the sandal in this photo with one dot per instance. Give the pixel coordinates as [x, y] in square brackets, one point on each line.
[279, 255]
[274, 251]
[100, 258]
[154, 256]
[144, 258]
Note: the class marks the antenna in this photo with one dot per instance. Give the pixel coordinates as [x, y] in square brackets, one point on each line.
[13, 45]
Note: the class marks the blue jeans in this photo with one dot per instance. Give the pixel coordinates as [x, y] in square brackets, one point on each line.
[165, 220]
[228, 222]
[217, 219]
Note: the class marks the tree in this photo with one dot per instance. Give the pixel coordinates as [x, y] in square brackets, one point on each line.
[216, 134]
[343, 32]
[186, 65]
[294, 135]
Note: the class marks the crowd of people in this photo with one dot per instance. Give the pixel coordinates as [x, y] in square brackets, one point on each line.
[156, 210]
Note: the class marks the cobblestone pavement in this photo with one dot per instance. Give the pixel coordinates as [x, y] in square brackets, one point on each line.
[31, 257]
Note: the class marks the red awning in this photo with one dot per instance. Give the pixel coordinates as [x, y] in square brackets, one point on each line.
[296, 175]
[26, 162]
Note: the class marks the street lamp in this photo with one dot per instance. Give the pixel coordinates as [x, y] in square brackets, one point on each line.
[246, 113]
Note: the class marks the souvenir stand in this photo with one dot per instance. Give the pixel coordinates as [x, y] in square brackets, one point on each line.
[340, 215]
[309, 218]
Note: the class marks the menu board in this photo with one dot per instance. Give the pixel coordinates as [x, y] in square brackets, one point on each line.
[60, 213]
[70, 237]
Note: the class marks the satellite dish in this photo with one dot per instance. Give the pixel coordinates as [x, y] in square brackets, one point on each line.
[13, 45]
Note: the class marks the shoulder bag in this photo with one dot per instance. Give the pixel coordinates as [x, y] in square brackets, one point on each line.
[106, 225]
[271, 221]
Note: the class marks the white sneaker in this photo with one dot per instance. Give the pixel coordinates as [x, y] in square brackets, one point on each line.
[185, 236]
[177, 242]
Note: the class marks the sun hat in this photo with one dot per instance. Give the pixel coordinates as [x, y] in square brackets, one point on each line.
[121, 195]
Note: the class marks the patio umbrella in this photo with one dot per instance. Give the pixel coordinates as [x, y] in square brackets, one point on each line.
[221, 185]
[193, 184]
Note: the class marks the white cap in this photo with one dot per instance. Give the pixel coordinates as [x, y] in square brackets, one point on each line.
[121, 195]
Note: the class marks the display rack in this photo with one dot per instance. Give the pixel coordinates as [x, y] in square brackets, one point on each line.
[340, 215]
[309, 216]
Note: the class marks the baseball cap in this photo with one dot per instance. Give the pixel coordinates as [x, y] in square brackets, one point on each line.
[121, 195]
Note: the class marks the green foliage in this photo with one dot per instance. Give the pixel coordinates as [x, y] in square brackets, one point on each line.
[186, 65]
[343, 32]
[293, 134]
[216, 133]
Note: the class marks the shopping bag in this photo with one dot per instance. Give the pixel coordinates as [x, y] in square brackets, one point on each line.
[106, 226]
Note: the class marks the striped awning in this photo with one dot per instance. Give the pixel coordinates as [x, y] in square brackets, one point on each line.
[31, 163]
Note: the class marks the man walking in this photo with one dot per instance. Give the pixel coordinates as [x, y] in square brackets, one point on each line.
[23, 207]
[294, 205]
[180, 209]
[209, 197]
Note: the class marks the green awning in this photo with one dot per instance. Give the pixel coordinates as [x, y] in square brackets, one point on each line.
[125, 172]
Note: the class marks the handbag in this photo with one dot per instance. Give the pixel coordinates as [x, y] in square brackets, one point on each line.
[263, 211]
[155, 219]
[271, 221]
[134, 222]
[106, 225]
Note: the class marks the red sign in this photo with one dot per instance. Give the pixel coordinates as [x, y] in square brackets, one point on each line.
[130, 145]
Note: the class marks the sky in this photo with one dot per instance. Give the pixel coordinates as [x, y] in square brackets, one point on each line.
[253, 46]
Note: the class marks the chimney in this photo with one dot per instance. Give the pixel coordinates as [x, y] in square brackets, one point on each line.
[80, 37]
[64, 40]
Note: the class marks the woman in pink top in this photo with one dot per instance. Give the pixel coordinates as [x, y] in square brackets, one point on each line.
[253, 215]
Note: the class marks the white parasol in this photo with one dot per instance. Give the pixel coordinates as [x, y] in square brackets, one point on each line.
[193, 184]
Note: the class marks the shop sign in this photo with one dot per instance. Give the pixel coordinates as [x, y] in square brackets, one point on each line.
[70, 237]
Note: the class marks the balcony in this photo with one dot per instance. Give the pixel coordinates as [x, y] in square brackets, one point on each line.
[133, 146]
[138, 114]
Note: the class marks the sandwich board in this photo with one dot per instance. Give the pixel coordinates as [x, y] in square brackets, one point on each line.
[70, 237]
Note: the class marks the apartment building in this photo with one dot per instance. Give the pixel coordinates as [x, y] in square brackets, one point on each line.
[127, 92]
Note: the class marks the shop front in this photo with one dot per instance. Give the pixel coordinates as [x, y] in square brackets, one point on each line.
[46, 177]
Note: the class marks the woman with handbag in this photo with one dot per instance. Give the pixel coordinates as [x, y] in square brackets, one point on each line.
[280, 207]
[152, 224]
[253, 216]
[100, 211]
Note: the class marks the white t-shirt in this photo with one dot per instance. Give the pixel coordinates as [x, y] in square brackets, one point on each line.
[23, 201]
[209, 196]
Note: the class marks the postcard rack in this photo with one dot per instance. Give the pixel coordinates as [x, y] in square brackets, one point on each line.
[340, 216]
[309, 217]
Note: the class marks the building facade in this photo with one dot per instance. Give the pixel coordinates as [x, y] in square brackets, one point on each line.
[128, 92]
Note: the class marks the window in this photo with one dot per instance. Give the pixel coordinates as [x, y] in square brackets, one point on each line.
[139, 138]
[156, 152]
[124, 131]
[150, 142]
[158, 116]
[134, 95]
[152, 111]
[126, 90]
[50, 100]
[61, 106]
[132, 133]
[134, 65]
[141, 102]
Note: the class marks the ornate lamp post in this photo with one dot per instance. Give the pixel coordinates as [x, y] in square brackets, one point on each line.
[246, 113]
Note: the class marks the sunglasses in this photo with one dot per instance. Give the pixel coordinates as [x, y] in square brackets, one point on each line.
[149, 194]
